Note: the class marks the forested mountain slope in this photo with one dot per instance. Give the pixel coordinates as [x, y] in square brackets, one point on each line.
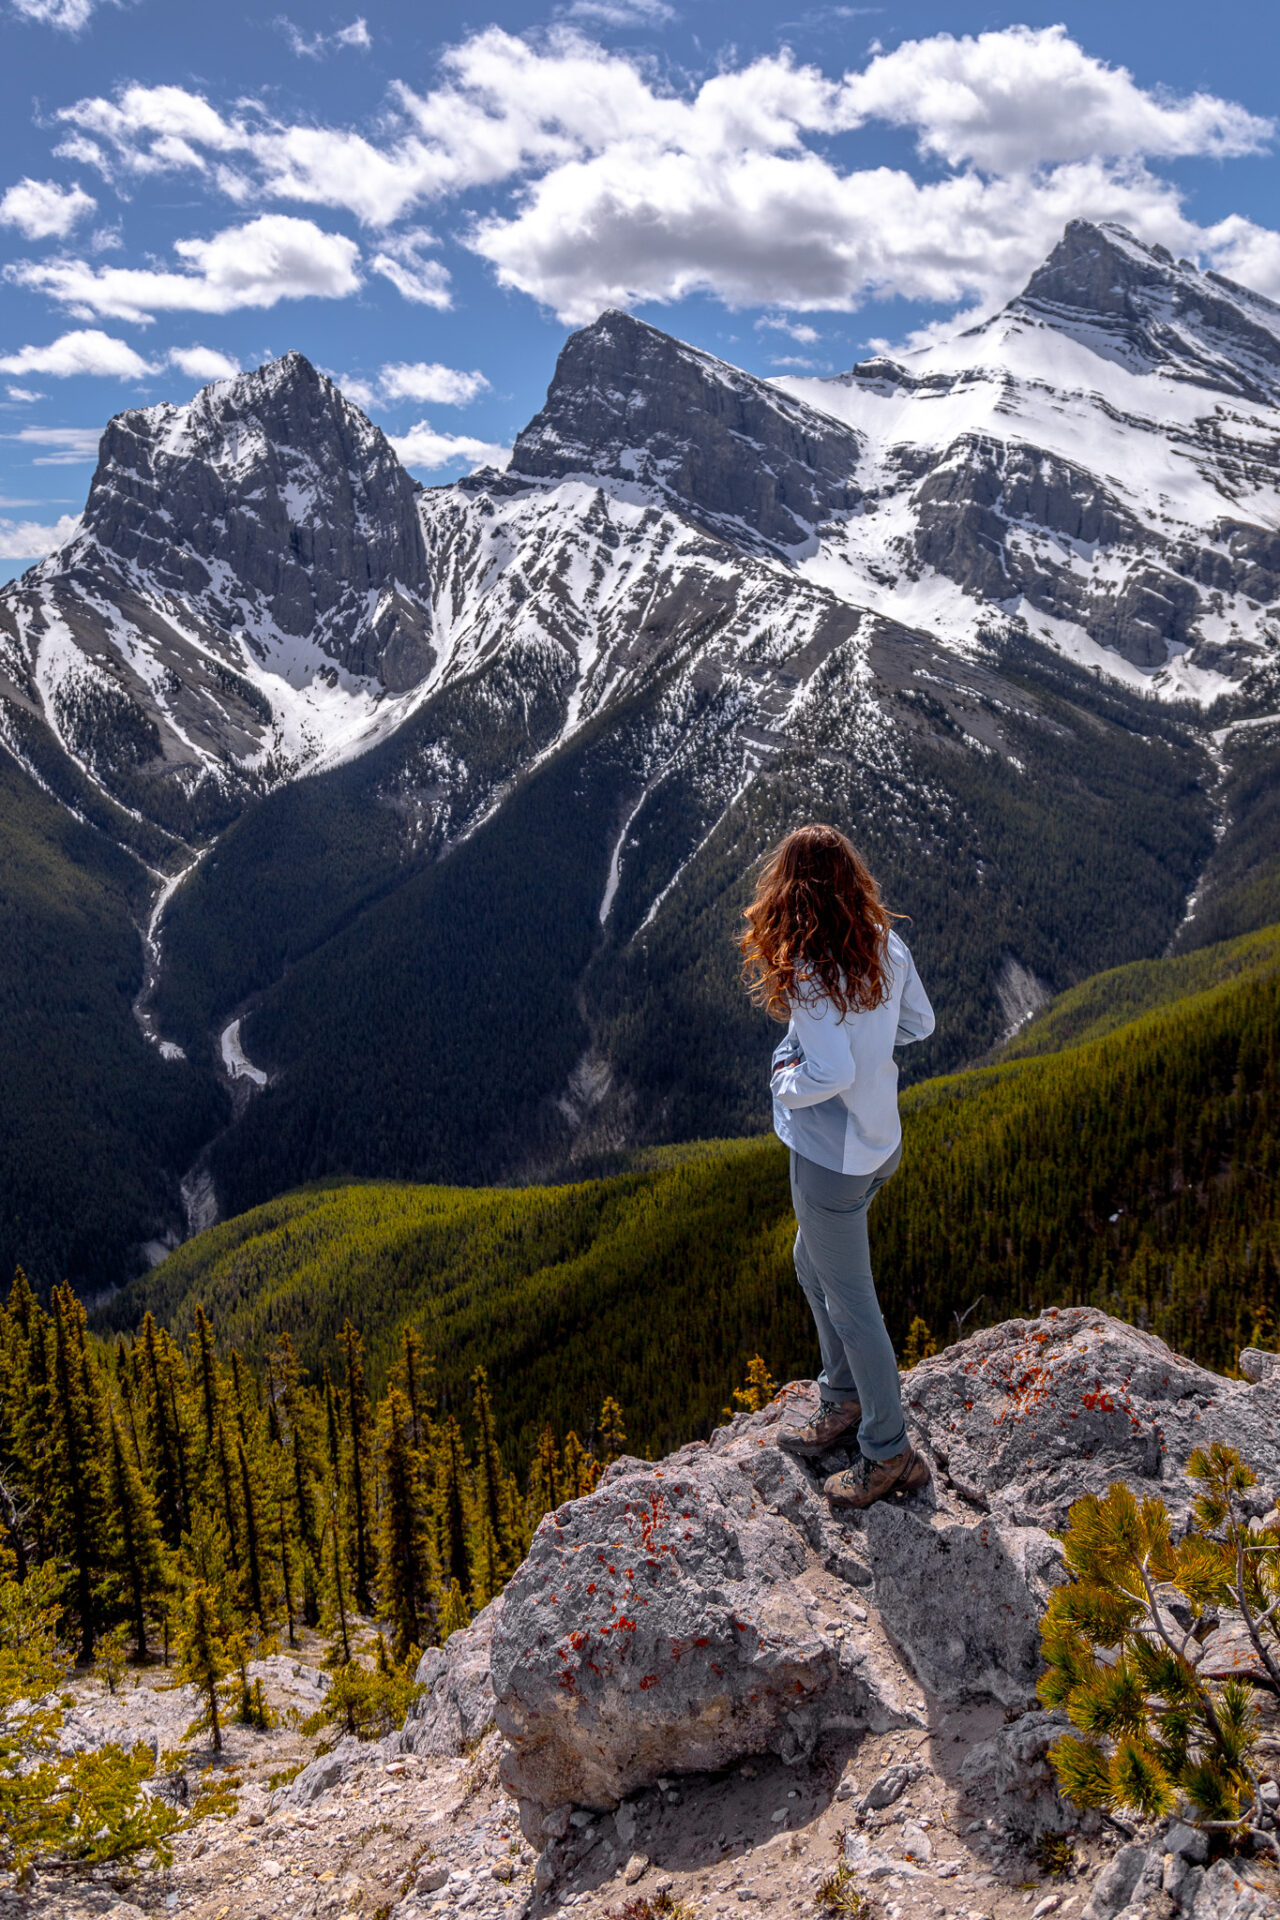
[1137, 1171]
[390, 769]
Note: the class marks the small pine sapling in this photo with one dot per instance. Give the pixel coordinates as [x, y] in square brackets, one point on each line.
[454, 1611]
[55, 1807]
[610, 1432]
[111, 1655]
[759, 1389]
[840, 1892]
[1157, 1733]
[1251, 1554]
[919, 1344]
[204, 1658]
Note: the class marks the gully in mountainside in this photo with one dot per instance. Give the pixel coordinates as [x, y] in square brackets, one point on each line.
[142, 1013]
[821, 954]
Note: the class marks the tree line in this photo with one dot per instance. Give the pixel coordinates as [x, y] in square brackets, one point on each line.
[185, 1499]
[1138, 1171]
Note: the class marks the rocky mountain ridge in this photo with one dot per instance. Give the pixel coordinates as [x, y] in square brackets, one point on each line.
[975, 601]
[258, 589]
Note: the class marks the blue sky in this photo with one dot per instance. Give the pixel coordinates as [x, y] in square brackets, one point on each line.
[425, 200]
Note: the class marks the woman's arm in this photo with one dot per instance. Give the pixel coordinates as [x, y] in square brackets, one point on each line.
[915, 1015]
[827, 1064]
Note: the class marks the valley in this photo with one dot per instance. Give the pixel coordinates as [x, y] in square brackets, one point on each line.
[1120, 1151]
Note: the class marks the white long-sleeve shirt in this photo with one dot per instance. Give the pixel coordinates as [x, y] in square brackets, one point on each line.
[835, 1082]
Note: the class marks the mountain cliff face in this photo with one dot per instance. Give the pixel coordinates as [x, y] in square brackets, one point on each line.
[973, 602]
[728, 451]
[247, 587]
[1096, 465]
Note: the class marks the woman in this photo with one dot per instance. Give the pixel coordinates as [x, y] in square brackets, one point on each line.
[820, 953]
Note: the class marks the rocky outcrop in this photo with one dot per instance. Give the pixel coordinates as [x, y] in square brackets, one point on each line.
[456, 1707]
[1159, 309]
[1169, 1877]
[1026, 1417]
[693, 1612]
[727, 450]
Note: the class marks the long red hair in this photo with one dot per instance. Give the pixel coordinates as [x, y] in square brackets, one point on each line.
[817, 928]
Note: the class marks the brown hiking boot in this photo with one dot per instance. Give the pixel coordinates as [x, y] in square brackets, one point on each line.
[870, 1480]
[832, 1424]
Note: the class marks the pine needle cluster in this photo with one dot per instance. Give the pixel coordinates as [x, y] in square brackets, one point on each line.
[1125, 1639]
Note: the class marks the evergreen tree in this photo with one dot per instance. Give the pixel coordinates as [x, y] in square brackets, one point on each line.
[252, 1537]
[139, 1553]
[493, 1529]
[207, 1373]
[336, 1587]
[613, 1437]
[403, 1554]
[300, 1523]
[220, 1467]
[454, 1613]
[451, 1508]
[412, 1374]
[359, 1421]
[76, 1462]
[204, 1659]
[579, 1470]
[544, 1477]
[164, 1441]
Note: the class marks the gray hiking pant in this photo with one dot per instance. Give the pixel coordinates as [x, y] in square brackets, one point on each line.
[833, 1265]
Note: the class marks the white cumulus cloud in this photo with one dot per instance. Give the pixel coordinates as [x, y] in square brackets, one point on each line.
[621, 13]
[314, 46]
[203, 363]
[85, 350]
[427, 380]
[403, 261]
[23, 394]
[44, 210]
[70, 15]
[1014, 99]
[32, 540]
[794, 329]
[612, 183]
[275, 257]
[424, 448]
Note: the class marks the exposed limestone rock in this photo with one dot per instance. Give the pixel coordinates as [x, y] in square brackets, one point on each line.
[1010, 1776]
[456, 1709]
[272, 495]
[709, 1607]
[679, 1618]
[1027, 1416]
[727, 449]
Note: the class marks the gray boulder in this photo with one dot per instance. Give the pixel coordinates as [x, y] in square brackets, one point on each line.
[1027, 1416]
[456, 1707]
[692, 1612]
[319, 1778]
[1010, 1776]
[1232, 1890]
[678, 1619]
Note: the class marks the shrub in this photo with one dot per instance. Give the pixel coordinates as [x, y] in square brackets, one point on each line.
[1124, 1639]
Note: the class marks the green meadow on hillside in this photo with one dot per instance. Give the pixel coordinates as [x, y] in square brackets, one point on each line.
[1136, 1168]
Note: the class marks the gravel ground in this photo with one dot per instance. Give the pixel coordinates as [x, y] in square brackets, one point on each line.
[397, 1837]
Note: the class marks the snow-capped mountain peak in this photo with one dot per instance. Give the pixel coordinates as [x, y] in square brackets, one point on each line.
[1096, 464]
[259, 589]
[731, 452]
